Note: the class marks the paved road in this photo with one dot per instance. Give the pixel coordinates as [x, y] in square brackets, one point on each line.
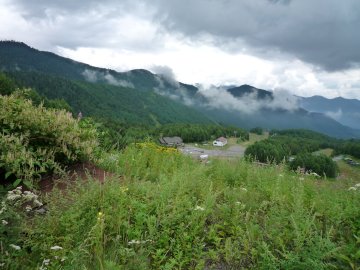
[232, 151]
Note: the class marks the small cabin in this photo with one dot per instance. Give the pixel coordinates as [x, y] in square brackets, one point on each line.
[171, 141]
[220, 142]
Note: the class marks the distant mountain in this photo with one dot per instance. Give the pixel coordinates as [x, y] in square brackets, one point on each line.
[248, 90]
[272, 117]
[345, 111]
[139, 96]
[135, 96]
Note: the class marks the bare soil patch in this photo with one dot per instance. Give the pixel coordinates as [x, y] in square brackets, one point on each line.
[78, 172]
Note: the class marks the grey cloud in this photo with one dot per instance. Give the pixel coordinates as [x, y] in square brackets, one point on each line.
[169, 86]
[94, 76]
[336, 115]
[90, 75]
[113, 81]
[167, 74]
[221, 99]
[95, 24]
[322, 32]
[42, 8]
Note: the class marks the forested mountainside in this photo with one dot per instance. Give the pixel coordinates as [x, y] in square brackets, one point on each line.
[94, 91]
[139, 96]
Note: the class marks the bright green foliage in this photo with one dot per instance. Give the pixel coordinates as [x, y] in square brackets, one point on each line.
[284, 143]
[267, 151]
[34, 140]
[319, 164]
[170, 212]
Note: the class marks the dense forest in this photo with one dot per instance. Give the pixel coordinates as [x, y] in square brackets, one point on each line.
[108, 101]
[299, 145]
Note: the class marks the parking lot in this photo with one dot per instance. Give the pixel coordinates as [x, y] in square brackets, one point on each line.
[233, 151]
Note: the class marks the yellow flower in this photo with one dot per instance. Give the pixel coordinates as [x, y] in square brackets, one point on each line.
[124, 189]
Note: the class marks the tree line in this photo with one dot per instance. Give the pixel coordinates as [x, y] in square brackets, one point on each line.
[295, 148]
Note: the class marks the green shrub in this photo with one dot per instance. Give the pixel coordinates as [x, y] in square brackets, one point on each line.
[34, 139]
[320, 164]
[267, 151]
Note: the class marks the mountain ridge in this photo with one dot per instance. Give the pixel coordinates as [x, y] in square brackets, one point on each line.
[20, 58]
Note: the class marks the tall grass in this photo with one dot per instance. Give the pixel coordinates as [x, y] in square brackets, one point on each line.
[168, 211]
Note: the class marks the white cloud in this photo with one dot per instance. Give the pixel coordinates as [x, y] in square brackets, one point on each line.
[335, 115]
[127, 35]
[218, 97]
[95, 76]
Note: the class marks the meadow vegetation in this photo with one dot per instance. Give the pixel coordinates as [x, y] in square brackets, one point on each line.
[161, 209]
[168, 211]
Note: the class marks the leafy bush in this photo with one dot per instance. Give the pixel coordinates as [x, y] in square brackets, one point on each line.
[267, 151]
[34, 140]
[319, 164]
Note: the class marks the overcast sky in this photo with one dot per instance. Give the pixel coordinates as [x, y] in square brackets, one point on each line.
[308, 47]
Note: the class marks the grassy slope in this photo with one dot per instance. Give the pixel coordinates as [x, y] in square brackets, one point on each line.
[170, 212]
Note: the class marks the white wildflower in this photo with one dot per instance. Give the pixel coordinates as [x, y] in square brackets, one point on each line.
[2, 264]
[199, 208]
[37, 203]
[18, 190]
[280, 175]
[352, 188]
[357, 185]
[244, 189]
[137, 242]
[28, 208]
[241, 205]
[134, 242]
[56, 248]
[30, 197]
[13, 197]
[4, 222]
[3, 207]
[46, 262]
[15, 247]
[63, 259]
[301, 178]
